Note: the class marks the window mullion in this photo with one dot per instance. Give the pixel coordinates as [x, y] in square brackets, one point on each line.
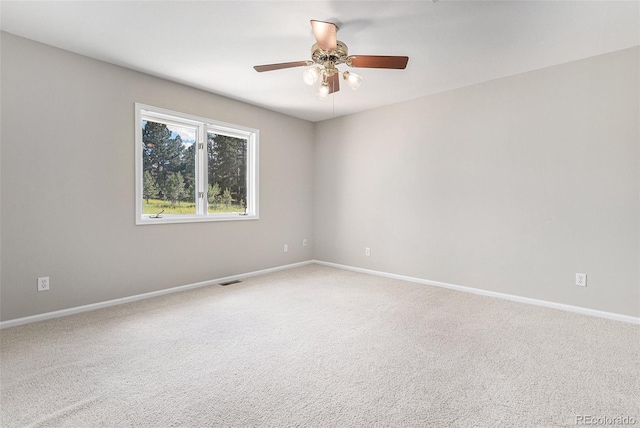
[201, 172]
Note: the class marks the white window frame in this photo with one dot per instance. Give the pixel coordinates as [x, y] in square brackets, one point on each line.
[202, 125]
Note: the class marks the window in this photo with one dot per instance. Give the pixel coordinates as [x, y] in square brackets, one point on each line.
[191, 169]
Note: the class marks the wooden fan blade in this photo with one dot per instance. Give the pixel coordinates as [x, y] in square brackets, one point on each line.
[375, 61]
[334, 83]
[325, 34]
[270, 67]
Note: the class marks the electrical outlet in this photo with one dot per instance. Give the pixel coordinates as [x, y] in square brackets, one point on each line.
[581, 279]
[304, 242]
[286, 248]
[367, 251]
[43, 283]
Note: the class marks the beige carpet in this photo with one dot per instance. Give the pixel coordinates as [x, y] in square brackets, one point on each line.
[319, 347]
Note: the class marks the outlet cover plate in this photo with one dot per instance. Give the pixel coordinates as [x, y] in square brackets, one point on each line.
[43, 283]
[581, 279]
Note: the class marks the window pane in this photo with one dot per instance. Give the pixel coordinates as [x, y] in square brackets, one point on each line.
[168, 158]
[227, 174]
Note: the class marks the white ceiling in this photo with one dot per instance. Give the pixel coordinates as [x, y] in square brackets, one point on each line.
[213, 45]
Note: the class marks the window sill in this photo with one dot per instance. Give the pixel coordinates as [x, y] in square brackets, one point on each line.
[148, 219]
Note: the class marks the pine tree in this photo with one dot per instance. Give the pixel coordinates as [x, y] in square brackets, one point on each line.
[174, 187]
[228, 164]
[227, 199]
[162, 155]
[213, 195]
[188, 171]
[149, 186]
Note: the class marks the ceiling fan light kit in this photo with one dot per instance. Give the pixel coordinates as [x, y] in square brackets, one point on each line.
[326, 54]
[310, 76]
[323, 91]
[353, 80]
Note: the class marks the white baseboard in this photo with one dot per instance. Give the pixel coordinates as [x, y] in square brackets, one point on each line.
[545, 303]
[120, 301]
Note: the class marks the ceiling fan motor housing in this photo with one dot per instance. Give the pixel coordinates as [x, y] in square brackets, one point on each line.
[333, 57]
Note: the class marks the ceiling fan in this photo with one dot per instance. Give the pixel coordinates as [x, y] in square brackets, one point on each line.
[326, 54]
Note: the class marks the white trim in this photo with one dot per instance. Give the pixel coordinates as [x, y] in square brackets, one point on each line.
[122, 300]
[114, 302]
[160, 112]
[202, 126]
[186, 218]
[527, 300]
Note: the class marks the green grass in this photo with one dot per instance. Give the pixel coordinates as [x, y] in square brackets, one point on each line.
[233, 208]
[156, 205]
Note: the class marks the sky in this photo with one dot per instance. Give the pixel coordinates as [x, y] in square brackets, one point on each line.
[188, 135]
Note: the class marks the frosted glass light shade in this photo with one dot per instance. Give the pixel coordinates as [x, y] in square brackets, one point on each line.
[311, 75]
[323, 91]
[352, 79]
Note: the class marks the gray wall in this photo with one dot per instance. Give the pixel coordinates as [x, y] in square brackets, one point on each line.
[511, 186]
[68, 186]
